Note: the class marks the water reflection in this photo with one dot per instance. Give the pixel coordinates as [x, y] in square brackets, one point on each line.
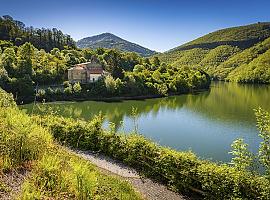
[206, 122]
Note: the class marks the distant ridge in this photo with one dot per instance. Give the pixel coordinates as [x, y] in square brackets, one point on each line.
[111, 41]
[240, 36]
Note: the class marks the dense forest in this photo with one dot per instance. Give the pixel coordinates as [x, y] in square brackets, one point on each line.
[227, 54]
[26, 67]
[42, 38]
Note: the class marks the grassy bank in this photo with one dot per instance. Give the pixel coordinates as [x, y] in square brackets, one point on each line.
[182, 171]
[54, 173]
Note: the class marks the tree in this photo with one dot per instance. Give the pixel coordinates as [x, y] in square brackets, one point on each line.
[263, 123]
[155, 62]
[25, 55]
[77, 87]
[9, 61]
[113, 61]
[68, 90]
[242, 158]
[138, 68]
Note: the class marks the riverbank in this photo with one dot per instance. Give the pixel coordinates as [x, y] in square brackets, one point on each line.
[109, 99]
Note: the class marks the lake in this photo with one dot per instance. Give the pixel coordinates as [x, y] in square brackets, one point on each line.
[206, 123]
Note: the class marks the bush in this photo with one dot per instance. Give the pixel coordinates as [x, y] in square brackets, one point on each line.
[6, 99]
[182, 171]
[21, 140]
[77, 87]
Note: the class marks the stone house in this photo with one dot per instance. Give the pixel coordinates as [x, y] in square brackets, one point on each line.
[86, 72]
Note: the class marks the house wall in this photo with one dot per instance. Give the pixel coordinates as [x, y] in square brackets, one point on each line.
[76, 76]
[94, 77]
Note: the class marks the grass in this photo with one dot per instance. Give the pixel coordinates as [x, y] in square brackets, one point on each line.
[4, 188]
[55, 173]
[62, 175]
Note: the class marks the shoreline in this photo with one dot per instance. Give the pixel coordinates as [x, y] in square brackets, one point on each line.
[116, 98]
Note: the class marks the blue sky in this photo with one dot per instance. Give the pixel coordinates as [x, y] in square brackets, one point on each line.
[156, 24]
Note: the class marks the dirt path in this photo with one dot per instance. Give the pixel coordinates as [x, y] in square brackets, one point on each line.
[11, 184]
[149, 189]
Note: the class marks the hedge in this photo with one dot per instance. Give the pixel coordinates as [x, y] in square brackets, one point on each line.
[181, 171]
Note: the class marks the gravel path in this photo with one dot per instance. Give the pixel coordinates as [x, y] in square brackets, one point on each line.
[146, 187]
[13, 181]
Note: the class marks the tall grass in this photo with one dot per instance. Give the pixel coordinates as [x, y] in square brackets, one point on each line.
[21, 140]
[55, 173]
[61, 175]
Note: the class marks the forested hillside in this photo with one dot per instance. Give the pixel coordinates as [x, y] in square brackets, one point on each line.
[42, 38]
[24, 68]
[224, 54]
[241, 36]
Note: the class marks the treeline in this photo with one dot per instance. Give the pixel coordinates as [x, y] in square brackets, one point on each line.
[25, 67]
[146, 78]
[44, 38]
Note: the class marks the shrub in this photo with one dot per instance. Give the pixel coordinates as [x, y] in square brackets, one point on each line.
[21, 139]
[77, 87]
[6, 99]
[182, 171]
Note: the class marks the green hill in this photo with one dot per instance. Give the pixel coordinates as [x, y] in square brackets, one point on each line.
[240, 60]
[257, 71]
[241, 36]
[110, 41]
[223, 51]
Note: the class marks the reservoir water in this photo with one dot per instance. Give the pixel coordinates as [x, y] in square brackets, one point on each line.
[206, 123]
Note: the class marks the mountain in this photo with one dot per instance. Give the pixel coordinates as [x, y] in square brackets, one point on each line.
[227, 54]
[110, 41]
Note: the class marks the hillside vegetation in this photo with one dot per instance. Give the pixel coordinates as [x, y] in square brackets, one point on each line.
[221, 52]
[110, 41]
[16, 32]
[241, 36]
[25, 67]
[53, 172]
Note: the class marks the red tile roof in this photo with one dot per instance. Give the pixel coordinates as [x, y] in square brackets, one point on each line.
[93, 70]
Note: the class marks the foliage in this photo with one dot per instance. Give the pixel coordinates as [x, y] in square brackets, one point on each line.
[21, 140]
[18, 33]
[257, 71]
[217, 56]
[263, 123]
[55, 172]
[61, 175]
[25, 68]
[242, 158]
[6, 99]
[231, 66]
[182, 171]
[77, 87]
[241, 36]
[234, 54]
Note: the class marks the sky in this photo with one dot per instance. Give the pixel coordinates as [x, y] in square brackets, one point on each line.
[156, 24]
